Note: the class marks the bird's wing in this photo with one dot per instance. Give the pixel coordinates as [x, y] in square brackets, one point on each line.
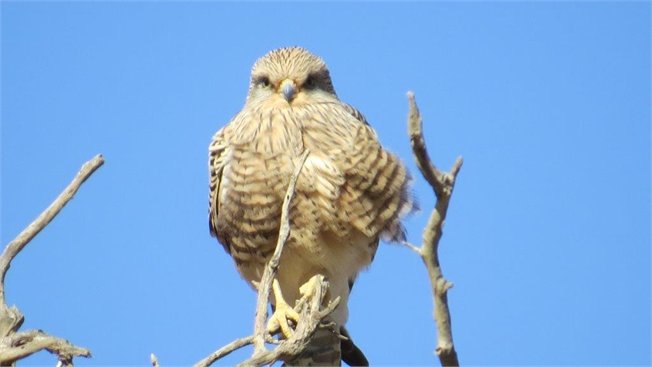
[376, 193]
[216, 158]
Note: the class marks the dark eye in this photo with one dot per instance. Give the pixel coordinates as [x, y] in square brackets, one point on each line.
[263, 81]
[311, 82]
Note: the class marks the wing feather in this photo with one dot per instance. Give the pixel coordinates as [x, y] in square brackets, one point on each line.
[377, 185]
[217, 152]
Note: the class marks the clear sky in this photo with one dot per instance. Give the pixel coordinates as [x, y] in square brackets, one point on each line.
[548, 234]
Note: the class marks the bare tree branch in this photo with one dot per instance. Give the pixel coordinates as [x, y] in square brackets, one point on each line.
[20, 345]
[225, 350]
[271, 268]
[311, 315]
[442, 184]
[13, 345]
[14, 247]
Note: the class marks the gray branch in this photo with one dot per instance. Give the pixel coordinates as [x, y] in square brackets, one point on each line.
[14, 345]
[224, 351]
[442, 184]
[22, 344]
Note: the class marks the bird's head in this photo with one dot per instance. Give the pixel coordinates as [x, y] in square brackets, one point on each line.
[290, 76]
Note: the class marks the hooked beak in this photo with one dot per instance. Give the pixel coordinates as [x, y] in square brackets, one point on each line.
[288, 89]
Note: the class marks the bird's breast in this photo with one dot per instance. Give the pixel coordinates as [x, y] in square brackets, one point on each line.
[268, 131]
[265, 147]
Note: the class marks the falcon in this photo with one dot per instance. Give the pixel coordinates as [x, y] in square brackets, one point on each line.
[350, 193]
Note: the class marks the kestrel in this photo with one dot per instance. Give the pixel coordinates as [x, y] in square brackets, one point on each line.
[351, 192]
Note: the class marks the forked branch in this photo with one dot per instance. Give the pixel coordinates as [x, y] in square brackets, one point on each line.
[17, 345]
[442, 184]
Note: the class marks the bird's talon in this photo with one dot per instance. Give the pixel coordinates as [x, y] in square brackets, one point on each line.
[284, 317]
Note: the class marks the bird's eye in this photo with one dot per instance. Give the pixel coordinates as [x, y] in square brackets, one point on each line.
[311, 82]
[263, 81]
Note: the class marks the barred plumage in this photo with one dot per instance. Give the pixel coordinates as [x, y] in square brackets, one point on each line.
[350, 192]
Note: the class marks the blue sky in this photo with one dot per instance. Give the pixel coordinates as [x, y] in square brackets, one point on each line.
[548, 234]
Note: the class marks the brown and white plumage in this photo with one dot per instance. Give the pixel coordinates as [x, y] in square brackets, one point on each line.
[349, 194]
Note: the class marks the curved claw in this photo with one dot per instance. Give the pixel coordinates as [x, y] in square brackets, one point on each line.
[283, 313]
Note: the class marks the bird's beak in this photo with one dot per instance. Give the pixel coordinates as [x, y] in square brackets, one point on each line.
[288, 89]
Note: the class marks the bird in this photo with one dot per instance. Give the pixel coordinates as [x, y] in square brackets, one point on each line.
[350, 192]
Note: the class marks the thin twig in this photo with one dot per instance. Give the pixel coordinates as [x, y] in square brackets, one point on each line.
[442, 184]
[412, 247]
[225, 350]
[272, 265]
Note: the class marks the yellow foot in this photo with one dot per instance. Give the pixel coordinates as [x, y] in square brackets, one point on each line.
[308, 288]
[282, 314]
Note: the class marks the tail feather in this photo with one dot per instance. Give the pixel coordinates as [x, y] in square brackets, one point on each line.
[351, 354]
[323, 350]
[328, 349]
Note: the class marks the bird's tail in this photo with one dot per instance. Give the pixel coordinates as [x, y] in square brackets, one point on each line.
[351, 353]
[329, 349]
[324, 350]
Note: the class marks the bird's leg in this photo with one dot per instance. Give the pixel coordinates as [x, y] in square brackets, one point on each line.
[282, 313]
